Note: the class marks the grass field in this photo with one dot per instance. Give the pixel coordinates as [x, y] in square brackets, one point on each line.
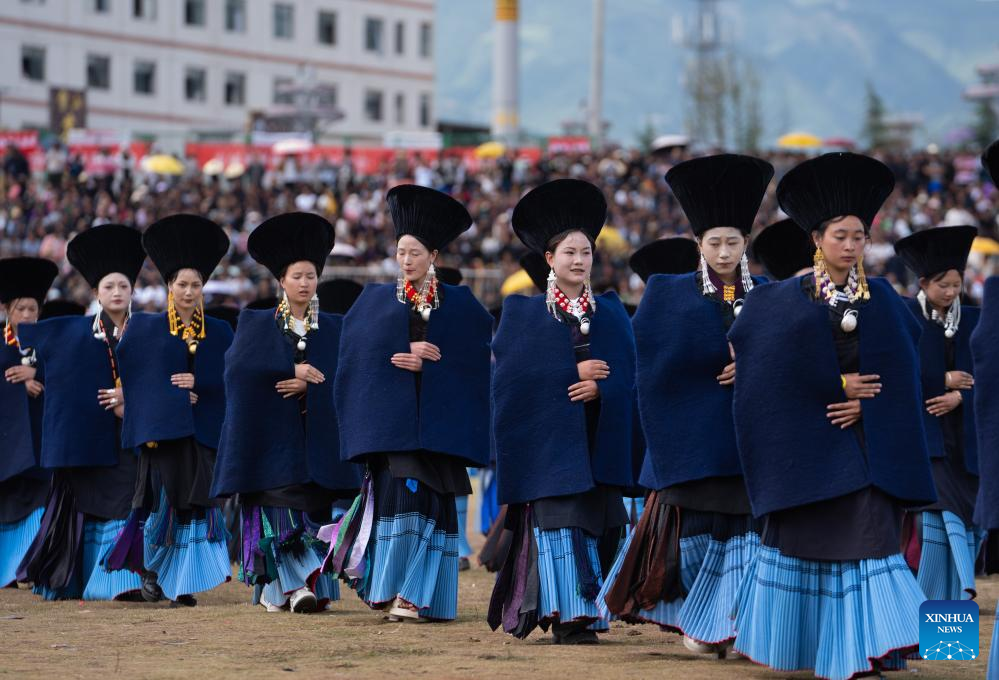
[226, 637]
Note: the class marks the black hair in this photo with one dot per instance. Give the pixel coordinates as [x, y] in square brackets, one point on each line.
[173, 277]
[823, 225]
[284, 269]
[939, 275]
[555, 240]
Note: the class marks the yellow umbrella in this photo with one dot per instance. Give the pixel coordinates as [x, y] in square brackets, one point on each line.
[985, 246]
[162, 164]
[516, 282]
[799, 140]
[611, 239]
[490, 150]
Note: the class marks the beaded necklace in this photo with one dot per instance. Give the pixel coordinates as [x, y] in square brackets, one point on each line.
[192, 333]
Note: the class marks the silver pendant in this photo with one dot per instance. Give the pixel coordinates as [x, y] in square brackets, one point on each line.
[425, 313]
[584, 326]
[25, 361]
[849, 321]
[301, 345]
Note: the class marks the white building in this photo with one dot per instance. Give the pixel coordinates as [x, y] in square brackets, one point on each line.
[189, 68]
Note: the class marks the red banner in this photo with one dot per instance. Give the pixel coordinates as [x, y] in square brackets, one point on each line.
[568, 145]
[25, 140]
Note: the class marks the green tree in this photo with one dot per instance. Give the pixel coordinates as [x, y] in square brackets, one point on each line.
[874, 131]
[646, 136]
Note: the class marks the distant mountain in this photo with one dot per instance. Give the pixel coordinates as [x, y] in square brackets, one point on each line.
[813, 57]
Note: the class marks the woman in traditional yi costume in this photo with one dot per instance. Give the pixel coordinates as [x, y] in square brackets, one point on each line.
[279, 448]
[563, 392]
[684, 562]
[24, 282]
[943, 541]
[171, 371]
[412, 395]
[94, 476]
[830, 429]
[784, 249]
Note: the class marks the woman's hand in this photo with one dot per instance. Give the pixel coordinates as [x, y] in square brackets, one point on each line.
[844, 414]
[309, 374]
[20, 374]
[584, 391]
[593, 369]
[408, 362]
[958, 380]
[861, 386]
[110, 399]
[425, 350]
[291, 387]
[34, 388]
[727, 376]
[194, 398]
[944, 404]
[119, 411]
[184, 381]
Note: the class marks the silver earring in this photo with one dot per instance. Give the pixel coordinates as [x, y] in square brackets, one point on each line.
[707, 287]
[550, 291]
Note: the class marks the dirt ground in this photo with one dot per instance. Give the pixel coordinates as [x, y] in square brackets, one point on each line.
[226, 637]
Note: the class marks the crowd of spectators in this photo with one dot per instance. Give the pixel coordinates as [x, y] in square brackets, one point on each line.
[41, 211]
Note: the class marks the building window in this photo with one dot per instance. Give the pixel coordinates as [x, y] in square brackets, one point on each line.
[235, 16]
[425, 110]
[284, 91]
[373, 29]
[98, 72]
[400, 108]
[327, 28]
[326, 96]
[100, 6]
[373, 105]
[284, 21]
[33, 63]
[400, 37]
[194, 12]
[144, 9]
[235, 89]
[194, 85]
[426, 40]
[144, 81]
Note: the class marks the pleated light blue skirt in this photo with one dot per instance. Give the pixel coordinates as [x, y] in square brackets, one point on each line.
[461, 504]
[835, 618]
[294, 571]
[92, 581]
[706, 614]
[196, 558]
[414, 559]
[559, 597]
[947, 561]
[693, 550]
[15, 539]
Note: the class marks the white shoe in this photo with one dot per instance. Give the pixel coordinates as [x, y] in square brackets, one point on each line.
[695, 646]
[271, 608]
[303, 601]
